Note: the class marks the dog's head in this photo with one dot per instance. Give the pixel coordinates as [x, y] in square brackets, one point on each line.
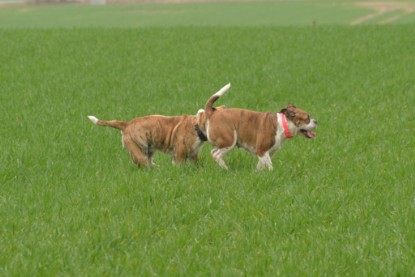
[301, 120]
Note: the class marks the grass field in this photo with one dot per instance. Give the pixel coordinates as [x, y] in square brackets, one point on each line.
[73, 203]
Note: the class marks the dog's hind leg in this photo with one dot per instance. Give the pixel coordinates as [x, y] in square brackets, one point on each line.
[138, 154]
[219, 152]
[214, 150]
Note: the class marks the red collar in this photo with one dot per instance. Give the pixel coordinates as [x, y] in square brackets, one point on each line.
[285, 126]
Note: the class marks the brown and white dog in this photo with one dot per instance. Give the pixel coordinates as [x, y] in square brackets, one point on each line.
[179, 136]
[260, 133]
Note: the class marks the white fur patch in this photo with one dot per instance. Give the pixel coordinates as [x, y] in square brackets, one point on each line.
[200, 111]
[265, 161]
[223, 90]
[93, 119]
[122, 140]
[279, 136]
[310, 126]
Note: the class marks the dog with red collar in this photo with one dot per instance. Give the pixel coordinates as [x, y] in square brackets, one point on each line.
[260, 133]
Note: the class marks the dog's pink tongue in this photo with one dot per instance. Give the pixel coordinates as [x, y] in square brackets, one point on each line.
[310, 134]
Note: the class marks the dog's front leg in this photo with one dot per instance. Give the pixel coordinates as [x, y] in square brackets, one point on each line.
[264, 161]
[193, 158]
[179, 156]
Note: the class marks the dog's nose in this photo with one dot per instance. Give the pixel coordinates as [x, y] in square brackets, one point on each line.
[315, 121]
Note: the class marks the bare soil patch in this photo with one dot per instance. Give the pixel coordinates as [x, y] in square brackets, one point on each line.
[382, 8]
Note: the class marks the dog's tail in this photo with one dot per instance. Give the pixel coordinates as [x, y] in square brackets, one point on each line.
[112, 123]
[209, 104]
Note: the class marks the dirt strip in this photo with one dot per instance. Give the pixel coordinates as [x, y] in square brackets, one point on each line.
[382, 8]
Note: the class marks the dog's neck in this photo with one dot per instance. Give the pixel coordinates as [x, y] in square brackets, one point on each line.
[285, 125]
[200, 134]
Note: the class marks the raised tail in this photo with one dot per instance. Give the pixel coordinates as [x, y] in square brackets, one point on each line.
[112, 123]
[209, 104]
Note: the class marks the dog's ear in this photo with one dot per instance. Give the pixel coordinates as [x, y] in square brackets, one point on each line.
[288, 113]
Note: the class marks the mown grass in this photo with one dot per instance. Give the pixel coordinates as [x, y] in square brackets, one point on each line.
[72, 202]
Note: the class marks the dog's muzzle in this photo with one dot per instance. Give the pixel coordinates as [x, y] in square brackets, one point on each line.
[307, 130]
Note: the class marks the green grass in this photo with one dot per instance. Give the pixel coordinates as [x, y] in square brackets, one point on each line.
[73, 203]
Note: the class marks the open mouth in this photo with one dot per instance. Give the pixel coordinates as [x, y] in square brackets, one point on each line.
[307, 134]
